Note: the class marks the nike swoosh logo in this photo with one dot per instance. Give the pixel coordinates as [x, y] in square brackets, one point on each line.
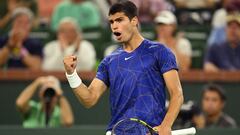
[153, 46]
[128, 58]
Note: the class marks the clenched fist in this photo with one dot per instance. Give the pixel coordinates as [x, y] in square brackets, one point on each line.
[70, 63]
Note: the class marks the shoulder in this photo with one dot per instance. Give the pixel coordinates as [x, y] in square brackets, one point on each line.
[113, 56]
[63, 4]
[153, 45]
[51, 44]
[218, 47]
[183, 42]
[88, 4]
[87, 47]
[156, 47]
[229, 120]
[86, 44]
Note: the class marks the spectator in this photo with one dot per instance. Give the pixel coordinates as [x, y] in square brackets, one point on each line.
[218, 34]
[85, 12]
[226, 55]
[53, 109]
[8, 6]
[213, 102]
[17, 49]
[166, 26]
[190, 115]
[69, 42]
[148, 9]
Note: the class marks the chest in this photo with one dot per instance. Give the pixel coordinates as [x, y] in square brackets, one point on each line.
[132, 65]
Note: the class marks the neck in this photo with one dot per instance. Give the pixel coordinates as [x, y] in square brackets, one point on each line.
[214, 118]
[133, 43]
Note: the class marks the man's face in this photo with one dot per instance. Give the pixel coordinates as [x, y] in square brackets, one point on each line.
[68, 32]
[122, 27]
[212, 103]
[233, 32]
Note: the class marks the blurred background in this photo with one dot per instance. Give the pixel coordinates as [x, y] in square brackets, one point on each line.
[35, 35]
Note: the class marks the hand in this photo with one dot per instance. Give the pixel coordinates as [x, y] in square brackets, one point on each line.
[41, 80]
[70, 63]
[16, 38]
[163, 130]
[12, 5]
[59, 92]
[52, 82]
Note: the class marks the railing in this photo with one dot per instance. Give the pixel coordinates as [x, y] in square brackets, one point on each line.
[189, 76]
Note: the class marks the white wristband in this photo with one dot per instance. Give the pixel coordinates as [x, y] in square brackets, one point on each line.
[74, 80]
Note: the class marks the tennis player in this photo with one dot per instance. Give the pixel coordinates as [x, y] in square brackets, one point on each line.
[136, 74]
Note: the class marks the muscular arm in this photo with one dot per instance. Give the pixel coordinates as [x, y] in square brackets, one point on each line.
[176, 97]
[89, 96]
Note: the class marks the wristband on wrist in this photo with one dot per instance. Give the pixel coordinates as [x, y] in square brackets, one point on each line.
[74, 80]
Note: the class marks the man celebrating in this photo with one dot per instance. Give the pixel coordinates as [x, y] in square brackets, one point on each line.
[136, 74]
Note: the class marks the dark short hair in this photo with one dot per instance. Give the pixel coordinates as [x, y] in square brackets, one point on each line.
[127, 7]
[215, 88]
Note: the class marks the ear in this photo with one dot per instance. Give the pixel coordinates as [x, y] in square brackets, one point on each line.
[223, 104]
[135, 21]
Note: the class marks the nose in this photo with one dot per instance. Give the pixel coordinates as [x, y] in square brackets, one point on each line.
[114, 26]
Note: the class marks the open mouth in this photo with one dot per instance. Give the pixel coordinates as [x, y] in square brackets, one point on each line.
[117, 34]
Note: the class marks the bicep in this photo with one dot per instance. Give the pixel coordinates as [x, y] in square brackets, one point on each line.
[172, 82]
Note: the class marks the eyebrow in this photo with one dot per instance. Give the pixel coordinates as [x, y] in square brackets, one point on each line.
[116, 19]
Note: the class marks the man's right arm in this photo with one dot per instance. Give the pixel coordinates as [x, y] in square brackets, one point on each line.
[88, 96]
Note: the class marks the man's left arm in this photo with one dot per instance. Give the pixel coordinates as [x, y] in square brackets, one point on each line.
[176, 99]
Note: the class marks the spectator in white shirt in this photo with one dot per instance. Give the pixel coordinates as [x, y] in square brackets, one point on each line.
[69, 42]
[166, 25]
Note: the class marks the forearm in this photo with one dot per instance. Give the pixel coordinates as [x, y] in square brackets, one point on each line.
[85, 96]
[5, 20]
[210, 67]
[33, 62]
[173, 109]
[4, 53]
[88, 96]
[26, 94]
[66, 112]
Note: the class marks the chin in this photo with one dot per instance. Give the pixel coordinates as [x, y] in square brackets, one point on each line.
[120, 41]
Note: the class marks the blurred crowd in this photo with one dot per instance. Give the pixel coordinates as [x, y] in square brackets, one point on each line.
[67, 20]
